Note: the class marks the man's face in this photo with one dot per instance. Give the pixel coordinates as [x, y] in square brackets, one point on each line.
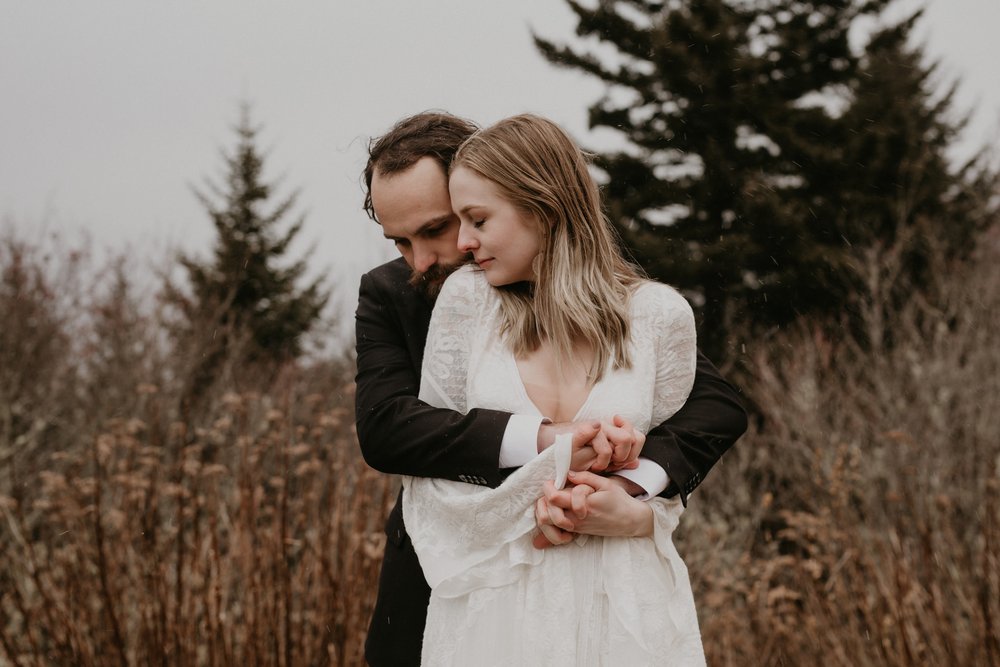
[414, 209]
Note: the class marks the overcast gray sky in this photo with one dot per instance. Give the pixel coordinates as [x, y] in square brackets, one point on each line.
[111, 110]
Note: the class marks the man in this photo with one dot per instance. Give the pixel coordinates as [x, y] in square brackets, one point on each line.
[407, 193]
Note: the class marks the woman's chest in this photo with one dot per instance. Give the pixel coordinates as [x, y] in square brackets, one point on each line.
[498, 382]
[558, 387]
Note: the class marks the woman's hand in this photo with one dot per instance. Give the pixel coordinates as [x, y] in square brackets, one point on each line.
[594, 505]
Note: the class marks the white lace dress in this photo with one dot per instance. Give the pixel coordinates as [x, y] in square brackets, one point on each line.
[496, 600]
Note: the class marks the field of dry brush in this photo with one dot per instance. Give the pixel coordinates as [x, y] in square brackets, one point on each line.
[857, 523]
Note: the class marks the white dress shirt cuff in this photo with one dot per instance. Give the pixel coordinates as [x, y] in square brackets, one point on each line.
[649, 475]
[520, 441]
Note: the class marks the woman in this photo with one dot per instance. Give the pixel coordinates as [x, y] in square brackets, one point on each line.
[551, 320]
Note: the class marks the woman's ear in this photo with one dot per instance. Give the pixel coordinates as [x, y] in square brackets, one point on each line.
[546, 225]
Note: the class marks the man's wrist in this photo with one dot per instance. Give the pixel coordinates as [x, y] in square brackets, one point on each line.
[519, 441]
[649, 475]
[630, 487]
[546, 435]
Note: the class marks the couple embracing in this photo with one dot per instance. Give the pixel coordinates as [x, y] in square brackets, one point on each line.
[545, 403]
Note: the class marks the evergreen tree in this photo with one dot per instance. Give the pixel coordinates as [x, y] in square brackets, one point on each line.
[244, 290]
[898, 189]
[745, 149]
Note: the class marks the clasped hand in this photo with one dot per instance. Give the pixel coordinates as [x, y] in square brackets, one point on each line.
[592, 504]
[597, 446]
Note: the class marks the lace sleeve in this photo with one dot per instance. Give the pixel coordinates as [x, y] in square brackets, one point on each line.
[444, 375]
[676, 349]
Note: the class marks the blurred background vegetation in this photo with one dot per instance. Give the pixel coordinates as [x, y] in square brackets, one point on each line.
[179, 477]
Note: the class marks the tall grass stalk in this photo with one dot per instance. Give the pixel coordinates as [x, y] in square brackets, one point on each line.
[856, 524]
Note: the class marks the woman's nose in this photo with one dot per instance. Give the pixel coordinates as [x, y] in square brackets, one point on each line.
[466, 239]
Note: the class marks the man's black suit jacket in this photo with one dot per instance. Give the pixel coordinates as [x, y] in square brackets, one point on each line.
[401, 435]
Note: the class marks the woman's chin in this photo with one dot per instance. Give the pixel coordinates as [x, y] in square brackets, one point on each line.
[499, 278]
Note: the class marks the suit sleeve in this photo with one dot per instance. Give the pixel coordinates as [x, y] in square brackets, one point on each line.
[400, 434]
[689, 443]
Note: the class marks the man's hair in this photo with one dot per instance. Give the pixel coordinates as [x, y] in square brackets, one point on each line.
[433, 134]
[582, 281]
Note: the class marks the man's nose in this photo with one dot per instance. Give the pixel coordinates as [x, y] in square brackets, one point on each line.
[423, 258]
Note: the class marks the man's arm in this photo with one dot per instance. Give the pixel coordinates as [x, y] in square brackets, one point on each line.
[398, 433]
[401, 434]
[689, 443]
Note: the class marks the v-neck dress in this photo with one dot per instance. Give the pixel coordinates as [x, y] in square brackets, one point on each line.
[495, 599]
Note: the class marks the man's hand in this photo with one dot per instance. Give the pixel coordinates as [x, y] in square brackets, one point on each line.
[626, 442]
[597, 446]
[591, 449]
[594, 505]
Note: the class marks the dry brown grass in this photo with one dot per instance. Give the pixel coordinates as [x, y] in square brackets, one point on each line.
[857, 524]
[249, 532]
[135, 551]
[860, 523]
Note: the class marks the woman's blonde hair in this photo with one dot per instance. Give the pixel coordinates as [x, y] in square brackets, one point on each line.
[582, 282]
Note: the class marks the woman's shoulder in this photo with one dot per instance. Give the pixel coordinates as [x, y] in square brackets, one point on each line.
[464, 278]
[650, 297]
[661, 313]
[467, 284]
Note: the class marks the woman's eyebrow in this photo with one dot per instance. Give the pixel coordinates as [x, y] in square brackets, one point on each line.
[468, 207]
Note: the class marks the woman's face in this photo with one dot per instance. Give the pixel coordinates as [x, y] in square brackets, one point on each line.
[503, 239]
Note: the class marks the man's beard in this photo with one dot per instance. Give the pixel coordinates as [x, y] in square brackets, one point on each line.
[430, 281]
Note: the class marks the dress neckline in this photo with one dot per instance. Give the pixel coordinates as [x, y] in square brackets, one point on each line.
[523, 390]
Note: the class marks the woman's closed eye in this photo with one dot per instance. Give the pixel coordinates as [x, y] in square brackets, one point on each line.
[478, 223]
